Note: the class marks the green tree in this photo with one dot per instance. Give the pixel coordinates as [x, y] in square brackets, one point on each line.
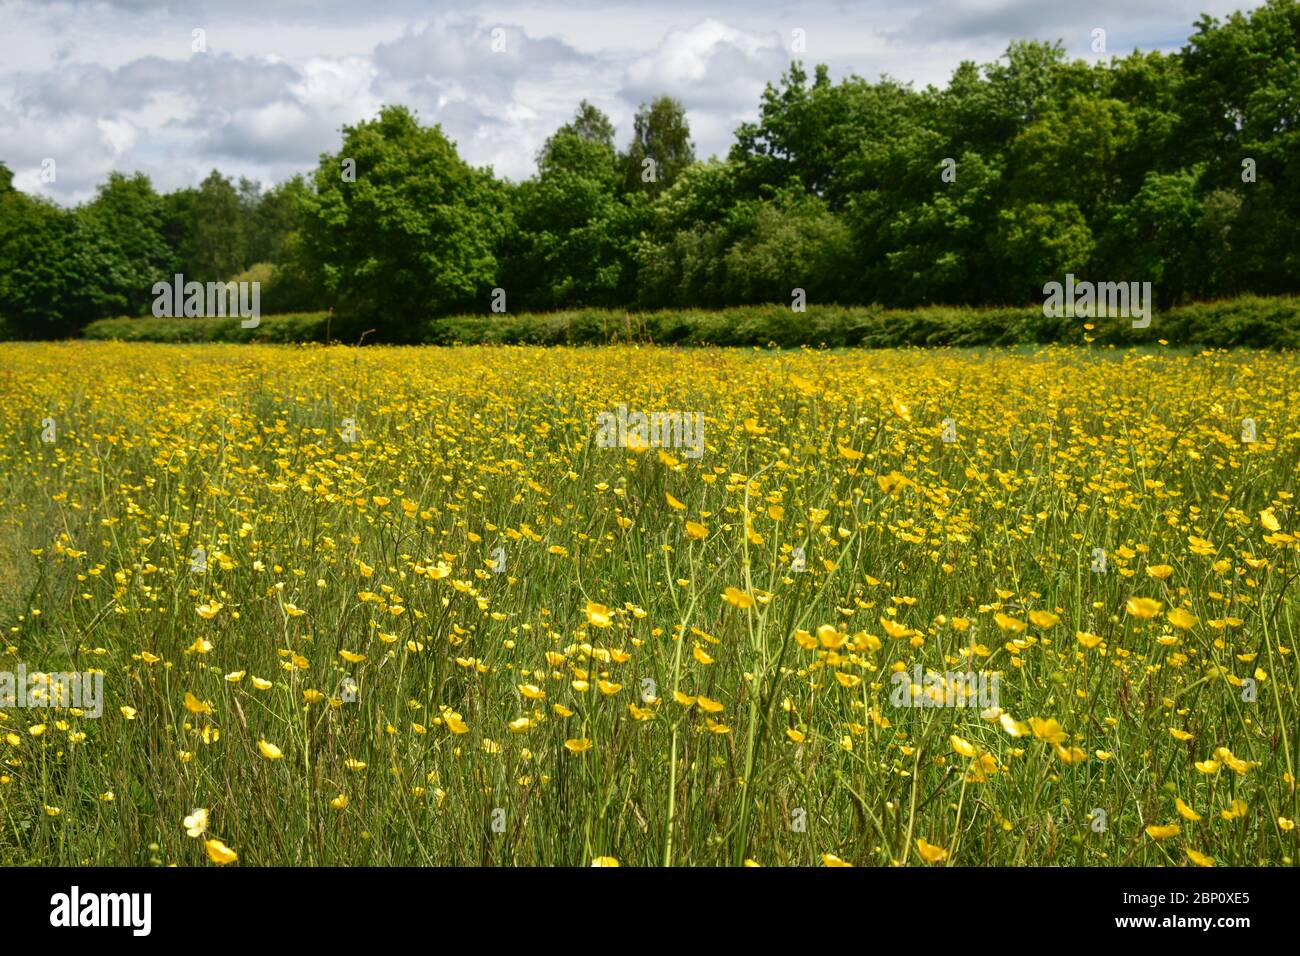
[660, 149]
[1241, 84]
[412, 233]
[1155, 236]
[570, 241]
[218, 224]
[128, 214]
[790, 241]
[1039, 243]
[58, 270]
[272, 217]
[1076, 153]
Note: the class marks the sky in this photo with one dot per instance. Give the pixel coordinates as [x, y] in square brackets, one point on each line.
[120, 85]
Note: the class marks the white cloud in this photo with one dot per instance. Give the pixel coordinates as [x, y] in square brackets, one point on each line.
[709, 63]
[117, 135]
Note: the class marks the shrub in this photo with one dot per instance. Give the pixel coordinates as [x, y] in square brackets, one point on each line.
[1250, 321]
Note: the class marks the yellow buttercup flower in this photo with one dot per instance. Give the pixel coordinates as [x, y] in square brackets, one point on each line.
[1144, 608]
[219, 853]
[269, 751]
[1049, 730]
[737, 598]
[963, 747]
[931, 853]
[1044, 619]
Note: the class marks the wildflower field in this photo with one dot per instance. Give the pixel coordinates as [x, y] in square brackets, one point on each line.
[398, 606]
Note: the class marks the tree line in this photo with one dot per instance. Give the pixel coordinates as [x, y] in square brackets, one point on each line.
[1180, 169]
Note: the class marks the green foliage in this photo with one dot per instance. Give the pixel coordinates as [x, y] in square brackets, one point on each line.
[216, 246]
[273, 219]
[660, 149]
[1041, 241]
[61, 268]
[1249, 321]
[760, 252]
[414, 233]
[129, 214]
[570, 232]
[283, 288]
[303, 327]
[56, 267]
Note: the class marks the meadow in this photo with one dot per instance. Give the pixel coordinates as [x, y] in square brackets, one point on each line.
[395, 605]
